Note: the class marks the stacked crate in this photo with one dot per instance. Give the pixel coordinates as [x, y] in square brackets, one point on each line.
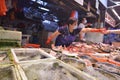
[10, 38]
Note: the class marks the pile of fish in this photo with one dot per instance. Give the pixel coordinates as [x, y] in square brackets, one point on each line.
[100, 52]
[99, 60]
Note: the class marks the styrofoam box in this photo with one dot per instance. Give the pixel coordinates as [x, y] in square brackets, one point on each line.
[28, 54]
[30, 70]
[8, 72]
[4, 58]
[10, 35]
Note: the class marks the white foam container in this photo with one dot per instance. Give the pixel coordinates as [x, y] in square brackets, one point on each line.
[28, 52]
[77, 73]
[15, 75]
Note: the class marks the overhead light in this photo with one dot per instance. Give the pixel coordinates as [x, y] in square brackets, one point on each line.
[46, 21]
[80, 2]
[45, 9]
[56, 20]
[90, 14]
[117, 2]
[33, 0]
[116, 13]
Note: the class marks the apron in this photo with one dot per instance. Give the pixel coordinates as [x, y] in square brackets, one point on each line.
[65, 39]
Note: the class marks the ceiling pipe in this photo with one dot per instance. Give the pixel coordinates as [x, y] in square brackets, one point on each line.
[115, 13]
[115, 1]
[117, 4]
[117, 24]
[113, 6]
[113, 10]
[90, 7]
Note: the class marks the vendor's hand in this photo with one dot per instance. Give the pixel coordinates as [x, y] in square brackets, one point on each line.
[109, 31]
[88, 24]
[48, 42]
[103, 31]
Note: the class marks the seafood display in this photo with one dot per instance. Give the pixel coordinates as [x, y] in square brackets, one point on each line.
[86, 66]
[79, 64]
[111, 76]
[79, 61]
[101, 74]
[108, 67]
[117, 58]
[99, 60]
[99, 52]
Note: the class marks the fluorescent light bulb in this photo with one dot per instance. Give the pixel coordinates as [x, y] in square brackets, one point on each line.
[44, 8]
[33, 0]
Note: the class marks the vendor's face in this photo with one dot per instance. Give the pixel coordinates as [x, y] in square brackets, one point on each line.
[84, 20]
[73, 25]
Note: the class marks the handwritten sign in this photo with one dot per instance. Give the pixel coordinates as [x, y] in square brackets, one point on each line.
[109, 20]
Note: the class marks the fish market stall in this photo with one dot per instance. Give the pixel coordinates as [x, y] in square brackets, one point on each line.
[79, 61]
